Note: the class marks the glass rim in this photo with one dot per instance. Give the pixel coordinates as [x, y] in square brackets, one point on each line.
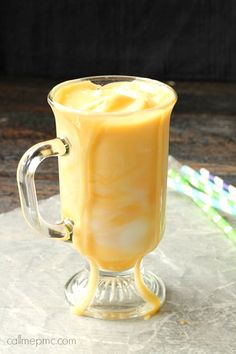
[53, 103]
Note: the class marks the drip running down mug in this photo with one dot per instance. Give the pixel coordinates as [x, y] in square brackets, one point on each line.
[112, 176]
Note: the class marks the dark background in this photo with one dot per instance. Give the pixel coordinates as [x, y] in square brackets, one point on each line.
[167, 40]
[191, 44]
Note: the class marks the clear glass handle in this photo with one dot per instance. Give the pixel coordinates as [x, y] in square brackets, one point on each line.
[28, 197]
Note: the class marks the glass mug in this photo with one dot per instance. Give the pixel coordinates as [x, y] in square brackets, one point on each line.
[112, 177]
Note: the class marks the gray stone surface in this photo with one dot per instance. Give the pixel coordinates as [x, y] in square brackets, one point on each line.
[195, 260]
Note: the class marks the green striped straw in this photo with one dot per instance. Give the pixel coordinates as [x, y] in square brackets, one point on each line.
[219, 182]
[221, 223]
[207, 186]
[200, 182]
[184, 187]
[218, 220]
[197, 183]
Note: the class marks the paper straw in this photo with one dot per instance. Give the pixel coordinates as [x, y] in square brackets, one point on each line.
[219, 182]
[179, 184]
[220, 222]
[208, 183]
[209, 186]
[204, 187]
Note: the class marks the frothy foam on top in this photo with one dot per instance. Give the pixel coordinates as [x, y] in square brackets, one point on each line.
[115, 97]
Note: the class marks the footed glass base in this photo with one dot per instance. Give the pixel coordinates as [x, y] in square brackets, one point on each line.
[116, 296]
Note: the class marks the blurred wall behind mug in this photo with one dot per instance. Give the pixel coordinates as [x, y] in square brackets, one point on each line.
[164, 39]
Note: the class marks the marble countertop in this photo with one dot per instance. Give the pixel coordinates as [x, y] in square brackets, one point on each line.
[195, 260]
